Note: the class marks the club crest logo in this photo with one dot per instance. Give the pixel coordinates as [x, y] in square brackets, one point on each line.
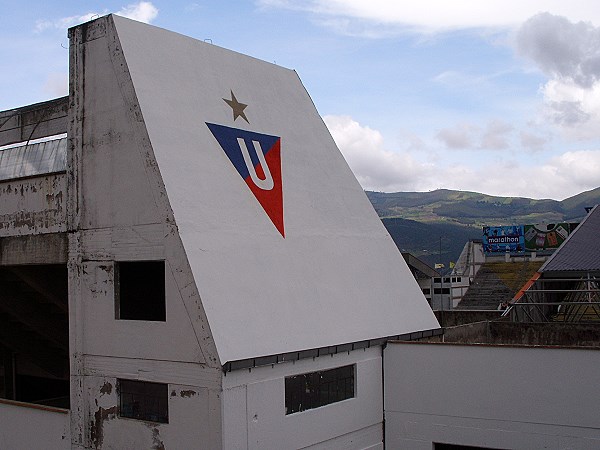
[257, 158]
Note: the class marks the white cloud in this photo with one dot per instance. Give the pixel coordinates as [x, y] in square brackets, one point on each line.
[438, 15]
[460, 137]
[532, 142]
[575, 109]
[569, 54]
[375, 167]
[562, 49]
[66, 22]
[380, 169]
[496, 135]
[558, 178]
[465, 136]
[141, 11]
[57, 84]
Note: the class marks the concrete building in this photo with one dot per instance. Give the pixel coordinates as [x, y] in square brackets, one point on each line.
[187, 261]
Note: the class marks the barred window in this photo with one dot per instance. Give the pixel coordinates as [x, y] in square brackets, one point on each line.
[315, 389]
[143, 400]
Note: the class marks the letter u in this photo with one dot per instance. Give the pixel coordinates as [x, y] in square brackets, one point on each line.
[266, 184]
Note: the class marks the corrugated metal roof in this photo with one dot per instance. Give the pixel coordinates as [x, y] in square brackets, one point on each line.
[26, 159]
[581, 250]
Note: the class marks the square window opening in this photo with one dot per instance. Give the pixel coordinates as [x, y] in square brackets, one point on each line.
[140, 291]
[143, 400]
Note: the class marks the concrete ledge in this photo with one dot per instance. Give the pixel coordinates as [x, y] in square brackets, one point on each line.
[48, 248]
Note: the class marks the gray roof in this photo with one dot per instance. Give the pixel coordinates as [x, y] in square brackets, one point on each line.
[581, 251]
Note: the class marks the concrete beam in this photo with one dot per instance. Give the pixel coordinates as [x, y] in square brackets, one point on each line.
[48, 248]
[34, 121]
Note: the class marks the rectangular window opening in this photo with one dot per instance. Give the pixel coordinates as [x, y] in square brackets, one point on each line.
[34, 334]
[316, 389]
[143, 400]
[441, 446]
[140, 291]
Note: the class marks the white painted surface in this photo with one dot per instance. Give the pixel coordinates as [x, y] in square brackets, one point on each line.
[172, 340]
[25, 427]
[337, 277]
[491, 396]
[254, 407]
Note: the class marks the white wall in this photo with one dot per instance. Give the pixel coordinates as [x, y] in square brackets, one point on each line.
[491, 396]
[254, 407]
[265, 294]
[31, 427]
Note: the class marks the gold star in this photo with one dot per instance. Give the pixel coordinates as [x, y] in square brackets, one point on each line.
[238, 108]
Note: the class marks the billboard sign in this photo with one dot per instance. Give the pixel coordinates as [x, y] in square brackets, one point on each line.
[547, 236]
[526, 238]
[503, 239]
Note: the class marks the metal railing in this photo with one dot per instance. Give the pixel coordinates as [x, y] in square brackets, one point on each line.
[558, 300]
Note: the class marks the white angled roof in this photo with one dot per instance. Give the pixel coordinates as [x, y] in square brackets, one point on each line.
[336, 277]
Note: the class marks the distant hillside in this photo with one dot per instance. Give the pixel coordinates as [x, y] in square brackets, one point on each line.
[424, 239]
[472, 208]
[417, 220]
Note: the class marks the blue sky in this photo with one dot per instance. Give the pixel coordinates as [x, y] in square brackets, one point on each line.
[494, 97]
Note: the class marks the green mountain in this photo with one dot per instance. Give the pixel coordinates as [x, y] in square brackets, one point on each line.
[419, 221]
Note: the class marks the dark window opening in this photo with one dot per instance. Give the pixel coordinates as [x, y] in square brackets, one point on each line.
[315, 389]
[34, 334]
[439, 446]
[140, 290]
[426, 291]
[439, 291]
[437, 280]
[143, 400]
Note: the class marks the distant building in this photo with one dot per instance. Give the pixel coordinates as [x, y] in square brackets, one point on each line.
[567, 286]
[424, 274]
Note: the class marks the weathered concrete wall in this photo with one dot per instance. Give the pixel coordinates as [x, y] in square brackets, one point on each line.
[453, 318]
[492, 397]
[470, 333]
[33, 205]
[563, 334]
[119, 211]
[510, 333]
[254, 407]
[31, 426]
[194, 408]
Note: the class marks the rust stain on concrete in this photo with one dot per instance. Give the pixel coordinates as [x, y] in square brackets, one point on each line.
[106, 389]
[157, 443]
[97, 426]
[187, 394]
